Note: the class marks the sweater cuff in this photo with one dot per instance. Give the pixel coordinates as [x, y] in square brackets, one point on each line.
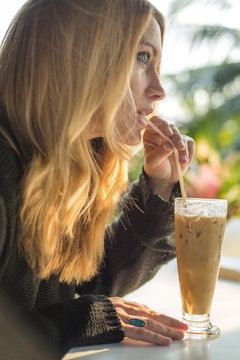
[102, 324]
[87, 320]
[143, 181]
[150, 217]
[105, 318]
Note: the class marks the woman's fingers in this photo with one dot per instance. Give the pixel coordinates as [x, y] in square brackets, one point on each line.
[191, 147]
[135, 309]
[170, 138]
[186, 155]
[166, 131]
[143, 334]
[184, 144]
[156, 328]
[177, 139]
[169, 321]
[162, 125]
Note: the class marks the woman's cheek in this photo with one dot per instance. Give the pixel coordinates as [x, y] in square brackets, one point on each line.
[137, 84]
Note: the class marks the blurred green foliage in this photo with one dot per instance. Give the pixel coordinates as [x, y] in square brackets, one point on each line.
[135, 167]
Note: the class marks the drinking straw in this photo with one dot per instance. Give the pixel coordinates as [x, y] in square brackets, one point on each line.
[179, 170]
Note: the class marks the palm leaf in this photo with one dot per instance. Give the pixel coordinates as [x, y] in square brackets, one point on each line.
[211, 123]
[213, 34]
[210, 36]
[227, 110]
[211, 78]
[179, 5]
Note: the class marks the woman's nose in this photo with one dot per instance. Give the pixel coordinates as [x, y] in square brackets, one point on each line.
[155, 90]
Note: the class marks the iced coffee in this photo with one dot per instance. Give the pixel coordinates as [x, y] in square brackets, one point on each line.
[199, 229]
[199, 243]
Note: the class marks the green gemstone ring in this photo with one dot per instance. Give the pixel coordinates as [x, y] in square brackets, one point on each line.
[137, 322]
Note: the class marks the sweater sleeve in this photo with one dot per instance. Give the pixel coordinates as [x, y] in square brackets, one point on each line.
[139, 242]
[87, 320]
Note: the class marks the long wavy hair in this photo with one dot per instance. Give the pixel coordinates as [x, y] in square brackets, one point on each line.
[62, 64]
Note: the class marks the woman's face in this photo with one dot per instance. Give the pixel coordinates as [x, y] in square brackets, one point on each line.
[145, 85]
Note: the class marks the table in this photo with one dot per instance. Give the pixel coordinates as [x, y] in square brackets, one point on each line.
[162, 294]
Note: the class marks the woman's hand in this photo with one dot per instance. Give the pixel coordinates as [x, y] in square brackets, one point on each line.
[159, 159]
[158, 329]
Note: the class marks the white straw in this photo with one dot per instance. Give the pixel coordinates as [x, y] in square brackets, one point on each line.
[179, 170]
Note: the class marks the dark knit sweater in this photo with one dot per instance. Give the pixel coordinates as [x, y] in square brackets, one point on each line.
[140, 242]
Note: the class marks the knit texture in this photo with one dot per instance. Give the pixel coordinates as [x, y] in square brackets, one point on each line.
[139, 242]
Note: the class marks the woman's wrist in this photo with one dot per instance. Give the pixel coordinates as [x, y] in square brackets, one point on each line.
[161, 189]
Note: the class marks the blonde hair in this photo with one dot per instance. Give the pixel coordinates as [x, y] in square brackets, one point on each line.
[61, 64]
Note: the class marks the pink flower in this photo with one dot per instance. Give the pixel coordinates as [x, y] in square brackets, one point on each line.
[203, 184]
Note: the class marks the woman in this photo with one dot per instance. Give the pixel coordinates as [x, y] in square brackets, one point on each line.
[76, 80]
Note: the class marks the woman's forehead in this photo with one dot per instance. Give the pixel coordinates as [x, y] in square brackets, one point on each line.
[152, 37]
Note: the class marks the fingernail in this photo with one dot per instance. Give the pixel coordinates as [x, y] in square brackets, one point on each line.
[181, 143]
[181, 335]
[183, 326]
[184, 159]
[168, 340]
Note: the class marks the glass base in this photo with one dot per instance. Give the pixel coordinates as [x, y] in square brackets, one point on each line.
[200, 327]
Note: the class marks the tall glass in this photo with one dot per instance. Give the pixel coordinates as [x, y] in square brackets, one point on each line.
[199, 230]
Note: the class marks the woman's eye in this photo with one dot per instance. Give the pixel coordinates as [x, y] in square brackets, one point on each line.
[144, 57]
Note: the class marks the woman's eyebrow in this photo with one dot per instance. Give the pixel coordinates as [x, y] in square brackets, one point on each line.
[147, 43]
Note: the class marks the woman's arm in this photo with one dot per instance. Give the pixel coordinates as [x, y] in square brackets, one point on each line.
[140, 241]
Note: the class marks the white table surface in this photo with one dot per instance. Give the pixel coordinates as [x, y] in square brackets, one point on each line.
[162, 294]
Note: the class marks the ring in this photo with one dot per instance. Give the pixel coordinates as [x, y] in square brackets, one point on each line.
[137, 322]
